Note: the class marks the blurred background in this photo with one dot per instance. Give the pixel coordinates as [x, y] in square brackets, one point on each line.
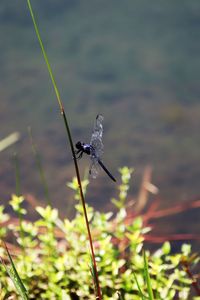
[135, 62]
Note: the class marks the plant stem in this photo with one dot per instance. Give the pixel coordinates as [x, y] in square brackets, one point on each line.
[40, 168]
[99, 296]
[14, 276]
[147, 277]
[83, 202]
[190, 275]
[17, 177]
[20, 216]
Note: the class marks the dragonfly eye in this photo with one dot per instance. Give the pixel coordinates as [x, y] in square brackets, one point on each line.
[78, 145]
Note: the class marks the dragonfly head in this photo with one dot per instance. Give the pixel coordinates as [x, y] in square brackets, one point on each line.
[79, 145]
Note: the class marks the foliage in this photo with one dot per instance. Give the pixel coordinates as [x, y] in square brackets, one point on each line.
[55, 262]
[14, 276]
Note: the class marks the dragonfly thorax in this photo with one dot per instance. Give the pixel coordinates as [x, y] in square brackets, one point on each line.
[86, 148]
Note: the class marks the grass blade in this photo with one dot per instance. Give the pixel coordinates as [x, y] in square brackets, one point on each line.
[99, 296]
[12, 272]
[147, 277]
[17, 176]
[44, 54]
[138, 286]
[39, 166]
[17, 180]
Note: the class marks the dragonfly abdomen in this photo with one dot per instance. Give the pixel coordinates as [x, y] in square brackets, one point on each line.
[106, 170]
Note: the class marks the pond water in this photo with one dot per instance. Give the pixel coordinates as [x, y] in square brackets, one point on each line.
[136, 64]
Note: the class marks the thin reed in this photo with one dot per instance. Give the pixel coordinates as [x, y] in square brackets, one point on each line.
[62, 111]
[39, 167]
[14, 276]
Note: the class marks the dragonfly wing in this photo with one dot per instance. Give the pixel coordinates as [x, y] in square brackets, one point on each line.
[96, 139]
[94, 167]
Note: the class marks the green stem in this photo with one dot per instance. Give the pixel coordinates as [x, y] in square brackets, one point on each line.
[40, 168]
[17, 177]
[20, 216]
[147, 277]
[14, 276]
[99, 296]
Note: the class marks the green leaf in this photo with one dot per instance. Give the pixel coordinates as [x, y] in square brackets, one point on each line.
[147, 277]
[186, 249]
[3, 217]
[48, 213]
[126, 173]
[138, 286]
[117, 203]
[166, 248]
[12, 272]
[16, 202]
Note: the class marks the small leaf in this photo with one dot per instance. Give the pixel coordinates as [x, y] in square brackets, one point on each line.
[117, 203]
[147, 277]
[16, 202]
[166, 248]
[12, 272]
[186, 249]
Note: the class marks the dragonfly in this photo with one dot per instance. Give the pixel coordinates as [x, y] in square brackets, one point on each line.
[94, 149]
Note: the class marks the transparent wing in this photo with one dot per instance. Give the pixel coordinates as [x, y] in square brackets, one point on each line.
[94, 167]
[96, 139]
[96, 146]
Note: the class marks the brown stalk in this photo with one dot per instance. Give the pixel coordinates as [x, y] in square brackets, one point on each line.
[191, 276]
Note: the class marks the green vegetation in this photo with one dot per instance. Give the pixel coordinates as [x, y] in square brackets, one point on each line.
[55, 263]
[13, 274]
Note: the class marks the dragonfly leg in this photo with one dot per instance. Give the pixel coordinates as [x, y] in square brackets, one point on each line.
[77, 151]
[79, 154]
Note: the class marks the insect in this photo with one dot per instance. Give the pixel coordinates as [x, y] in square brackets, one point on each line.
[94, 149]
